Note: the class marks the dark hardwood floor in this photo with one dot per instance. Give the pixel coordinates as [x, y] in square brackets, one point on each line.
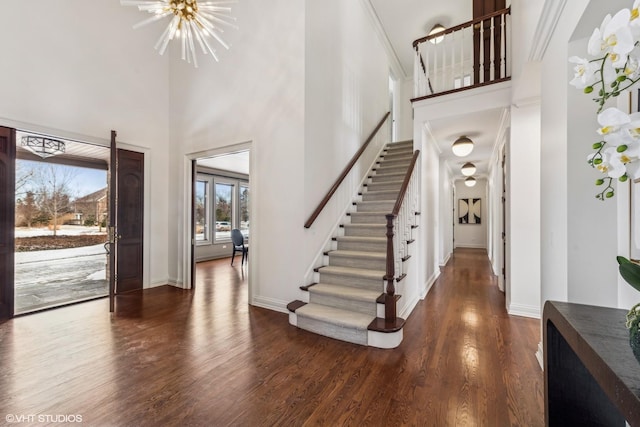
[206, 358]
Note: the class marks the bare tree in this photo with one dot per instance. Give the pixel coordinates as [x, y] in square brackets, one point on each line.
[24, 173]
[27, 208]
[54, 190]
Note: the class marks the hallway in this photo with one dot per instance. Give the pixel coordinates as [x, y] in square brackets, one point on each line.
[175, 357]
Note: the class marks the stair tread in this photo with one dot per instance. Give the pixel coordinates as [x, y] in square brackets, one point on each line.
[353, 272]
[335, 316]
[372, 213]
[368, 239]
[366, 225]
[358, 254]
[346, 292]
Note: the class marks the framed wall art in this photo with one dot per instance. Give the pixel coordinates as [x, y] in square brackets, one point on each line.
[469, 211]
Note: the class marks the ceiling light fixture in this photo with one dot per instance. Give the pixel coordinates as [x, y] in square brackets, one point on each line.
[470, 182]
[192, 23]
[468, 169]
[43, 147]
[435, 30]
[462, 147]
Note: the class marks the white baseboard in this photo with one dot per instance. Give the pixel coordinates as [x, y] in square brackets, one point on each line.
[446, 260]
[540, 355]
[524, 310]
[171, 282]
[472, 246]
[270, 304]
[429, 283]
[408, 309]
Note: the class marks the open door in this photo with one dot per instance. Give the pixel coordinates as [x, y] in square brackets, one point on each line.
[194, 174]
[126, 221]
[7, 219]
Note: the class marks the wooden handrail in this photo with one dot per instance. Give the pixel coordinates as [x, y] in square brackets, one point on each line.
[344, 174]
[390, 291]
[405, 184]
[506, 11]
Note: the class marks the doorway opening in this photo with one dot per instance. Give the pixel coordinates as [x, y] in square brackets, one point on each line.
[221, 195]
[61, 208]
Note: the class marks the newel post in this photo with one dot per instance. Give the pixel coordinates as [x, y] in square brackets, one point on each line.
[390, 293]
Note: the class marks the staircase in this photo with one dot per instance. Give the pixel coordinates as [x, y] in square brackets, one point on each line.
[347, 300]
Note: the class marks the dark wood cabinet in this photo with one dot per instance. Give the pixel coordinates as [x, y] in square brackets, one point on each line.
[591, 375]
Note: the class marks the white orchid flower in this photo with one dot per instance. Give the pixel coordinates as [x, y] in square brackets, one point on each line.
[610, 165]
[632, 67]
[625, 161]
[614, 37]
[585, 72]
[613, 123]
[634, 19]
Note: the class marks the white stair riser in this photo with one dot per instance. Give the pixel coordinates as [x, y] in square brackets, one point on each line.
[365, 263]
[355, 336]
[364, 231]
[363, 307]
[356, 282]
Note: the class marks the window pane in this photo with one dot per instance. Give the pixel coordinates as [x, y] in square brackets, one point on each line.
[201, 211]
[244, 209]
[224, 203]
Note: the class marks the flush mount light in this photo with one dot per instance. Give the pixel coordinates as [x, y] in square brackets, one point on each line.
[468, 169]
[191, 23]
[470, 182]
[43, 147]
[435, 30]
[462, 147]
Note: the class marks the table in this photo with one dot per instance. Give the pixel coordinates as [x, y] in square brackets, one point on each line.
[591, 375]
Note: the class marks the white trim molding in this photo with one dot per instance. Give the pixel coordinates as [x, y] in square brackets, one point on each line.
[523, 310]
[549, 18]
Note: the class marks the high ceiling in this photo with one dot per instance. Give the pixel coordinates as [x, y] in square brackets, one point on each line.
[404, 21]
[407, 20]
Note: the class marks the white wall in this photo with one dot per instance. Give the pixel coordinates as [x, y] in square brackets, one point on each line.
[429, 231]
[578, 232]
[295, 84]
[346, 96]
[446, 214]
[471, 235]
[77, 69]
[404, 110]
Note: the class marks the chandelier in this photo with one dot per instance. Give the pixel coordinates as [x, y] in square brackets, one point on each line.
[43, 147]
[193, 24]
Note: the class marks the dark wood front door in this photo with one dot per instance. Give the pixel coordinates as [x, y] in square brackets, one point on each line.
[129, 220]
[482, 35]
[7, 219]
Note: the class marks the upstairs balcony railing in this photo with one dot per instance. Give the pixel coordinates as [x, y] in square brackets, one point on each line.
[465, 56]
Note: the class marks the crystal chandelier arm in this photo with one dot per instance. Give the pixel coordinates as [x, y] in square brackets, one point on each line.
[192, 48]
[196, 32]
[211, 30]
[169, 33]
[152, 19]
[204, 40]
[219, 19]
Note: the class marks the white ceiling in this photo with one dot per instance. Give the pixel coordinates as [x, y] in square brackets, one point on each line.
[234, 162]
[404, 21]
